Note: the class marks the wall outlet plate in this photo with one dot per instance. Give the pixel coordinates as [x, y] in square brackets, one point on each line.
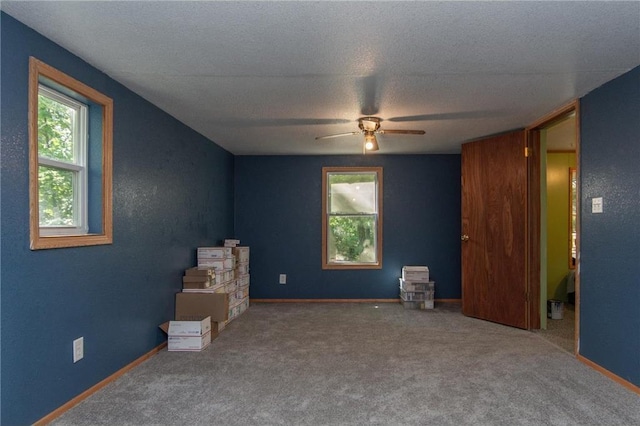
[78, 349]
[283, 278]
[596, 205]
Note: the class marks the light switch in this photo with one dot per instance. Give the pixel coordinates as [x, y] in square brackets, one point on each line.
[596, 205]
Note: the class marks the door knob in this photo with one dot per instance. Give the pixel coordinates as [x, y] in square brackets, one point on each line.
[464, 237]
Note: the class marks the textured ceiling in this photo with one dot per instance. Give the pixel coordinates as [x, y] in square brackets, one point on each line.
[268, 77]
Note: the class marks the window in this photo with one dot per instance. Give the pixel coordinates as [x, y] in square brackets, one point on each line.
[70, 128]
[352, 218]
[62, 171]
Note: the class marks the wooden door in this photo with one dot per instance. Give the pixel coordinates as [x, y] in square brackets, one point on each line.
[494, 189]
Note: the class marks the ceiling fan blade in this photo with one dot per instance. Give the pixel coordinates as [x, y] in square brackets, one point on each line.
[401, 132]
[278, 122]
[337, 135]
[448, 116]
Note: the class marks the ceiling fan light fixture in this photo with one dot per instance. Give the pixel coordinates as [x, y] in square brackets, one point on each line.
[369, 126]
[370, 142]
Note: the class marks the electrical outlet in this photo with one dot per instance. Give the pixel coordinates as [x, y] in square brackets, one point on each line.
[78, 349]
[283, 278]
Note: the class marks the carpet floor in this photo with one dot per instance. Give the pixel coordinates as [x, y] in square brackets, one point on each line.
[561, 332]
[362, 364]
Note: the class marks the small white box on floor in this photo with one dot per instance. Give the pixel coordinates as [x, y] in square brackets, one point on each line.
[188, 343]
[188, 335]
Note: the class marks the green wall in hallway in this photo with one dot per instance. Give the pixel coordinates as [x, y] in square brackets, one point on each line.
[558, 165]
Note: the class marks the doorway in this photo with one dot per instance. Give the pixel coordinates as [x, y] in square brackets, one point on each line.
[557, 140]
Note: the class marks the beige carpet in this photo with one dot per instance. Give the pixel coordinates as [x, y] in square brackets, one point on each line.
[358, 364]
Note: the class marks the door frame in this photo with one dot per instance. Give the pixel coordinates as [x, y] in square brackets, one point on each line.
[533, 266]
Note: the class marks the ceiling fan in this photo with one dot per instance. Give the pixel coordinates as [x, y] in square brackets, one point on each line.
[369, 127]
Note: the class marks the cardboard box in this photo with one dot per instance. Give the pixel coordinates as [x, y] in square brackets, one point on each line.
[231, 286]
[415, 273]
[417, 285]
[217, 327]
[197, 281]
[224, 276]
[413, 296]
[196, 306]
[242, 269]
[216, 288]
[243, 280]
[189, 328]
[231, 243]
[200, 271]
[188, 343]
[188, 335]
[226, 263]
[238, 308]
[242, 254]
[213, 253]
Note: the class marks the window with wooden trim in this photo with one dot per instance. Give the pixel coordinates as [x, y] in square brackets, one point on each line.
[70, 161]
[352, 217]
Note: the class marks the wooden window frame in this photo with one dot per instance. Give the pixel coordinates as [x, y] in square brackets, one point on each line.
[38, 70]
[325, 214]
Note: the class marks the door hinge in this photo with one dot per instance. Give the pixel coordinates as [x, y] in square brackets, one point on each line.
[527, 151]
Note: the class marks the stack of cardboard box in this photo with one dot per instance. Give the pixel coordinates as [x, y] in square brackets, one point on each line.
[217, 289]
[228, 269]
[416, 291]
[240, 296]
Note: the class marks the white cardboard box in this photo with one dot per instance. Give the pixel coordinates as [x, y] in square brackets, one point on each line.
[244, 280]
[189, 328]
[417, 285]
[243, 269]
[415, 273]
[219, 264]
[188, 343]
[231, 243]
[213, 253]
[188, 335]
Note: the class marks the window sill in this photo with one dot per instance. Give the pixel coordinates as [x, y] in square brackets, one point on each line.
[339, 266]
[63, 241]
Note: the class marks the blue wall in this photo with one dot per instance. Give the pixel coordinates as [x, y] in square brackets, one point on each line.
[173, 191]
[610, 242]
[278, 214]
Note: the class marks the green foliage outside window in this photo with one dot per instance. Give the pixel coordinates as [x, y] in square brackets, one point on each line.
[351, 178]
[55, 141]
[351, 236]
